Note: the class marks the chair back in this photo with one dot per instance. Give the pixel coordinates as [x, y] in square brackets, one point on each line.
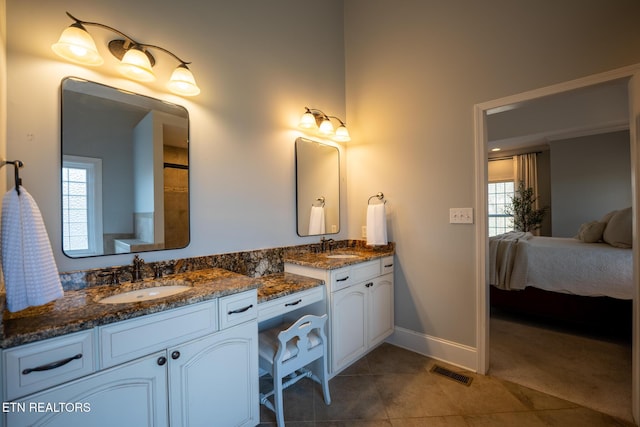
[301, 343]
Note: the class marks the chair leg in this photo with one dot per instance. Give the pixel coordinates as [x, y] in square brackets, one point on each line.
[324, 374]
[277, 400]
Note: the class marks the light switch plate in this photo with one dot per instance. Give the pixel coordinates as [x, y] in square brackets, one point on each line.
[461, 216]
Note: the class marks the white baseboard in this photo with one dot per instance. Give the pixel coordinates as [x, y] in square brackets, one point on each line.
[446, 351]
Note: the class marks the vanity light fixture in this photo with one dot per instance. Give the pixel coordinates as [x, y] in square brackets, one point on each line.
[316, 120]
[136, 62]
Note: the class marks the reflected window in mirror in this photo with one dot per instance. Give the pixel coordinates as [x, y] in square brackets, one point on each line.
[317, 188]
[81, 206]
[125, 171]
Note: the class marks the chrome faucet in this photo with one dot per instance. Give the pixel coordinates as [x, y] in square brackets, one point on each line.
[324, 242]
[136, 270]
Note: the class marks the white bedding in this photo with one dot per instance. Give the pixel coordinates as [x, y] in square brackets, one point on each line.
[566, 265]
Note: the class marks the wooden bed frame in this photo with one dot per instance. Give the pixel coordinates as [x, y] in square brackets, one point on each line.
[597, 314]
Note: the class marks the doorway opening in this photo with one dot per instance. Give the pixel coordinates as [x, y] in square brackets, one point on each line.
[628, 77]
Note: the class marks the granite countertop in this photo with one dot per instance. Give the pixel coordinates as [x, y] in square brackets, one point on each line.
[323, 261]
[79, 309]
[282, 284]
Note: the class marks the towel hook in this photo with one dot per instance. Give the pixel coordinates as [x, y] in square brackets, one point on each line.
[379, 196]
[16, 172]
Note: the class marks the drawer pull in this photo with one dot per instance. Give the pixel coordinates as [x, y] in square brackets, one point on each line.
[52, 365]
[293, 303]
[240, 310]
[175, 355]
[388, 265]
[162, 360]
[343, 279]
[370, 284]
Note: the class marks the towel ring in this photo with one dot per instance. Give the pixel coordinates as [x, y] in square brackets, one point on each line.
[319, 199]
[379, 196]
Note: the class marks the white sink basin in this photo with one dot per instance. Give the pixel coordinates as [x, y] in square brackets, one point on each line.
[342, 256]
[144, 294]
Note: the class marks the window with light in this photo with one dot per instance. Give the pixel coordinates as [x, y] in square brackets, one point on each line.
[500, 195]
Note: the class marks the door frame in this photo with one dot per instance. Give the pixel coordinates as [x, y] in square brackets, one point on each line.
[632, 74]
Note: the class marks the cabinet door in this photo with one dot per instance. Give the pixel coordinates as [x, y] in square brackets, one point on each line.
[381, 320]
[133, 394]
[214, 380]
[348, 325]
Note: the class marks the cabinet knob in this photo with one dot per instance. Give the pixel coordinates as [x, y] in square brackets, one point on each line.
[162, 360]
[370, 284]
[175, 355]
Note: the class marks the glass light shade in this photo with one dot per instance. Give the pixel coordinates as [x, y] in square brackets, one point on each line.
[182, 82]
[135, 65]
[342, 134]
[326, 128]
[308, 121]
[76, 45]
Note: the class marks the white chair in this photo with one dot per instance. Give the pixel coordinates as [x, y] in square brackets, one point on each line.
[285, 354]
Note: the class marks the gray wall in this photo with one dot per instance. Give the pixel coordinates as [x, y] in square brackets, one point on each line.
[590, 176]
[414, 71]
[407, 73]
[258, 64]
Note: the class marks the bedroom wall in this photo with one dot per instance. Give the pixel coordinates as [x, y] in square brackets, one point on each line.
[590, 176]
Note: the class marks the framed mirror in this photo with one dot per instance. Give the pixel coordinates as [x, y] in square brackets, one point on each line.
[125, 171]
[317, 188]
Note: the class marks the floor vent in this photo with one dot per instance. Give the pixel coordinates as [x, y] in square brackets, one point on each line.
[459, 378]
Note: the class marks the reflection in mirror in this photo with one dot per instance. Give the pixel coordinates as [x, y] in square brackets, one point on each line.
[125, 171]
[317, 188]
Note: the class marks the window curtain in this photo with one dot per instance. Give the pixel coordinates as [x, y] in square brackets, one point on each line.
[526, 170]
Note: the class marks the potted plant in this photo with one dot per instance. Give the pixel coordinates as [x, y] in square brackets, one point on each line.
[525, 216]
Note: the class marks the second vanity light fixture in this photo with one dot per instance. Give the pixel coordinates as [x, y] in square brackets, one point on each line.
[136, 62]
[314, 119]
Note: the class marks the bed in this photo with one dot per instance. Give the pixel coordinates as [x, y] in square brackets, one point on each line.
[585, 280]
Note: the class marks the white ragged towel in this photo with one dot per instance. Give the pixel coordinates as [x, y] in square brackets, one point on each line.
[30, 272]
[376, 224]
[316, 220]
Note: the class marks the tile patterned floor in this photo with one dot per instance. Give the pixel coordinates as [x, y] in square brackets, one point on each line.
[393, 387]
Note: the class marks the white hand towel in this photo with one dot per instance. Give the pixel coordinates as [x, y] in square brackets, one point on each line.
[376, 224]
[30, 272]
[316, 220]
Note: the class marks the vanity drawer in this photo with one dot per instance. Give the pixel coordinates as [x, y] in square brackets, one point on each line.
[279, 306]
[37, 366]
[386, 265]
[130, 339]
[238, 308]
[347, 276]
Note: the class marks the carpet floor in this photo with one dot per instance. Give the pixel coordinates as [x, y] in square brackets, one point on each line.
[589, 371]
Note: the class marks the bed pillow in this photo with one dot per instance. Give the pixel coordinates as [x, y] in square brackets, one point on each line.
[617, 233]
[608, 216]
[591, 232]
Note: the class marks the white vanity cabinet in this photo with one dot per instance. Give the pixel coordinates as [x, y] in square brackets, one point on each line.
[133, 394]
[360, 307]
[173, 368]
[214, 380]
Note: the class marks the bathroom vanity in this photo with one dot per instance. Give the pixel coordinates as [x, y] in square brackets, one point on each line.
[179, 366]
[189, 364]
[360, 300]
[188, 358]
